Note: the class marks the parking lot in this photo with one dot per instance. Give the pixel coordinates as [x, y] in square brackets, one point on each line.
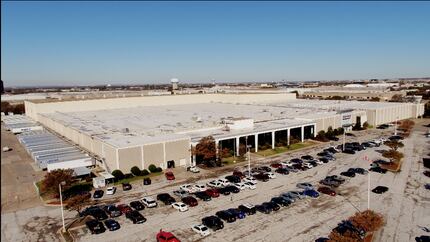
[307, 219]
[405, 206]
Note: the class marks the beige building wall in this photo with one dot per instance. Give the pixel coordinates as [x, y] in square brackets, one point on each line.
[129, 157]
[153, 154]
[110, 155]
[97, 147]
[178, 151]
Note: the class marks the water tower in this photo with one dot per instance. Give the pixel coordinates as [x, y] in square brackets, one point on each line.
[174, 82]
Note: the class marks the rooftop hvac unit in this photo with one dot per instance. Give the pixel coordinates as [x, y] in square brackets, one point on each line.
[199, 120]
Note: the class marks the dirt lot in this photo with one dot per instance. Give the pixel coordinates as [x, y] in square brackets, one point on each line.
[405, 206]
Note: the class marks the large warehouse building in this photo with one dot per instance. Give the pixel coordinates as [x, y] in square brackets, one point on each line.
[125, 132]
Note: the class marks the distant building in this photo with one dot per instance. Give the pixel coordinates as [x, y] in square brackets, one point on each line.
[175, 83]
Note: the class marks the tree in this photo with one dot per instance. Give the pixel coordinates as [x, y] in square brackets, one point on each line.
[375, 99]
[368, 220]
[330, 132]
[365, 125]
[145, 172]
[5, 107]
[393, 155]
[136, 171]
[152, 168]
[206, 149]
[321, 136]
[77, 202]
[346, 237]
[118, 174]
[53, 178]
[396, 98]
[357, 126]
[224, 153]
[394, 144]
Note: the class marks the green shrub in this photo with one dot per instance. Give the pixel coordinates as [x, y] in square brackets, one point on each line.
[152, 168]
[136, 171]
[118, 174]
[145, 172]
[159, 169]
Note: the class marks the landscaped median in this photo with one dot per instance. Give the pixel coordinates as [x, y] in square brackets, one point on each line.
[283, 149]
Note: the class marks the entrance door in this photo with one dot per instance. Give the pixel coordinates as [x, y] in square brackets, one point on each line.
[171, 164]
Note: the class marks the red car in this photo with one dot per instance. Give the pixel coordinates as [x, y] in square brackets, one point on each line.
[327, 190]
[190, 201]
[276, 165]
[239, 174]
[169, 175]
[212, 192]
[164, 236]
[124, 208]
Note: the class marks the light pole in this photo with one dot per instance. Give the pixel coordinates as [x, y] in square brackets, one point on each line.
[61, 203]
[395, 126]
[368, 185]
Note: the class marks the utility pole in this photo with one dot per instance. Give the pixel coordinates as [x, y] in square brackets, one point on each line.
[61, 203]
[343, 143]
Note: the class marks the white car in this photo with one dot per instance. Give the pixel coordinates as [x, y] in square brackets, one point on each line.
[182, 207]
[149, 202]
[187, 188]
[286, 164]
[110, 190]
[201, 229]
[271, 175]
[224, 182]
[250, 185]
[214, 183]
[307, 165]
[240, 185]
[319, 162]
[250, 179]
[200, 187]
[180, 193]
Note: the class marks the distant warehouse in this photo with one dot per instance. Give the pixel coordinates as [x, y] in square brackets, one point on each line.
[138, 131]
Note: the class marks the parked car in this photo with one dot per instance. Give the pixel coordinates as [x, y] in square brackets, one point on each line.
[262, 177]
[124, 208]
[324, 159]
[96, 212]
[323, 153]
[164, 236]
[264, 208]
[293, 195]
[147, 181]
[149, 202]
[380, 189]
[422, 238]
[214, 183]
[330, 182]
[136, 217]
[226, 216]
[307, 165]
[348, 151]
[96, 227]
[250, 179]
[169, 176]
[233, 179]
[137, 205]
[213, 192]
[240, 185]
[112, 210]
[274, 206]
[165, 198]
[281, 201]
[327, 190]
[347, 225]
[213, 222]
[322, 239]
[304, 185]
[239, 174]
[239, 214]
[126, 186]
[180, 206]
[347, 174]
[250, 185]
[282, 171]
[98, 194]
[188, 188]
[296, 160]
[232, 189]
[224, 191]
[203, 196]
[110, 190]
[247, 208]
[201, 229]
[378, 169]
[193, 169]
[311, 193]
[336, 178]
[112, 225]
[271, 175]
[180, 193]
[190, 201]
[224, 182]
[307, 157]
[199, 187]
[359, 170]
[276, 165]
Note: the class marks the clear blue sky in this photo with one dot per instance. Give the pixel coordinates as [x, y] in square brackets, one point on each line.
[78, 43]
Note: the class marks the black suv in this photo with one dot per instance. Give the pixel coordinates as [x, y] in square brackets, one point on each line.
[378, 169]
[166, 198]
[272, 205]
[247, 208]
[224, 191]
[112, 210]
[203, 196]
[348, 174]
[126, 186]
[262, 177]
[213, 222]
[233, 179]
[96, 212]
[232, 189]
[307, 157]
[112, 225]
[96, 227]
[137, 205]
[264, 208]
[135, 217]
[226, 216]
[283, 171]
[280, 201]
[346, 225]
[98, 194]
